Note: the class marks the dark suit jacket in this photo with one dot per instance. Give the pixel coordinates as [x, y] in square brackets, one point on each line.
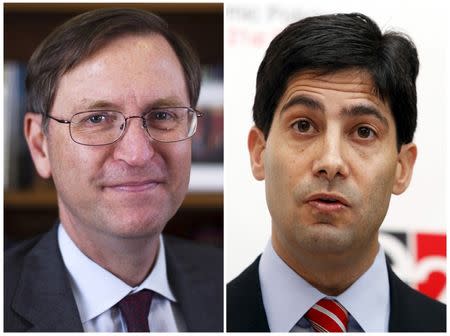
[38, 296]
[410, 310]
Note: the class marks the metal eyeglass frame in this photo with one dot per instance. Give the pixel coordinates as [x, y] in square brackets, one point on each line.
[197, 114]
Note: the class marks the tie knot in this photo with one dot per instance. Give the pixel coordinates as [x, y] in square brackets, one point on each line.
[328, 316]
[135, 309]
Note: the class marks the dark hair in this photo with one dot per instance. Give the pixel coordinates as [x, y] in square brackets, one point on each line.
[81, 36]
[329, 43]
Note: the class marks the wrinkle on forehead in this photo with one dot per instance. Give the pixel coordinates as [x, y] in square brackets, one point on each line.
[347, 78]
[355, 81]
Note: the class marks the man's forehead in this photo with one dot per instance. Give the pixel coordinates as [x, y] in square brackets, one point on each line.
[107, 45]
[349, 79]
[133, 70]
[354, 81]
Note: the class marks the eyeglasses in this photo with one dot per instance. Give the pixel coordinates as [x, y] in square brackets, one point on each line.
[102, 127]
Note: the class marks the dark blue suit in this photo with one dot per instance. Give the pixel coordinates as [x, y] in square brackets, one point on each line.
[38, 297]
[410, 310]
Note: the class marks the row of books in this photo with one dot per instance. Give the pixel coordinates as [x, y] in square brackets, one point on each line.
[207, 146]
[17, 165]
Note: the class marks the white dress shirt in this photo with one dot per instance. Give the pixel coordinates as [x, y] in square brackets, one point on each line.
[97, 291]
[287, 296]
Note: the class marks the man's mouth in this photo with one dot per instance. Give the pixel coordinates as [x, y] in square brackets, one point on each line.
[135, 185]
[327, 202]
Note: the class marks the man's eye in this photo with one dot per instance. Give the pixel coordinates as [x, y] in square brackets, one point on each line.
[96, 119]
[365, 132]
[160, 116]
[303, 126]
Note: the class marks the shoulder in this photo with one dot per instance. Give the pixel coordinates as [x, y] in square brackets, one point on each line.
[192, 259]
[413, 311]
[249, 278]
[244, 291]
[180, 245]
[245, 307]
[15, 257]
[191, 252]
[195, 273]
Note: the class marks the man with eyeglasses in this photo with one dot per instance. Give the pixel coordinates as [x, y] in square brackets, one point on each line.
[112, 96]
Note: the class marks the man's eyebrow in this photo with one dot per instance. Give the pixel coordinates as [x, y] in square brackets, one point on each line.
[87, 105]
[168, 101]
[303, 100]
[97, 104]
[365, 110]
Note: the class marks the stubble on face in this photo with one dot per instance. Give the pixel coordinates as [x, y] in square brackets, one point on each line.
[299, 229]
[336, 234]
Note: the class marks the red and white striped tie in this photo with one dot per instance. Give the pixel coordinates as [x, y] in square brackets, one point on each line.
[328, 316]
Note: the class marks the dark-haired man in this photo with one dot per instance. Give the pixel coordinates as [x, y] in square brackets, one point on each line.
[335, 114]
[112, 96]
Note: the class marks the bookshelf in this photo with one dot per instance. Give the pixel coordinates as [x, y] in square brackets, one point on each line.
[31, 208]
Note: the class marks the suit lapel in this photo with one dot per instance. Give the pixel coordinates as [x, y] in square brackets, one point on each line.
[395, 316]
[407, 309]
[44, 297]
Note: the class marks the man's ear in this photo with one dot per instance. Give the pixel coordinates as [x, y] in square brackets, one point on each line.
[405, 166]
[37, 143]
[256, 146]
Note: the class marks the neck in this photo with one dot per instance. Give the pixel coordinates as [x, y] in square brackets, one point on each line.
[129, 259]
[331, 274]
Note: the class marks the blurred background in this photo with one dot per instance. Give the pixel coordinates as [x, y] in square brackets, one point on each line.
[30, 202]
[414, 231]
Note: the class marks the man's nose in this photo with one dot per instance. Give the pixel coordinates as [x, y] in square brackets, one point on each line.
[330, 161]
[135, 146]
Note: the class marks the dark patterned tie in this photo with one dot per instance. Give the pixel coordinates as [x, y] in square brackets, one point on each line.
[135, 309]
[328, 316]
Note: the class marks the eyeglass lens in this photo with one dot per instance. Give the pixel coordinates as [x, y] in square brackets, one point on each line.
[105, 127]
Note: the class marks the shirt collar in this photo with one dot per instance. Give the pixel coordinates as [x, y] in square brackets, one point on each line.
[369, 294]
[287, 296]
[95, 289]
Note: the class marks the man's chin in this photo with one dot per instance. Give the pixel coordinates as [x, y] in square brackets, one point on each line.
[134, 222]
[325, 239]
[137, 230]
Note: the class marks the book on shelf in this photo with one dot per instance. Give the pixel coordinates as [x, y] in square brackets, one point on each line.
[17, 165]
[207, 143]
